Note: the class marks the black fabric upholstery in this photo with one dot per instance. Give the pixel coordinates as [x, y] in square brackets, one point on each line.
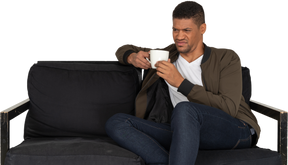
[71, 151]
[69, 105]
[102, 150]
[246, 84]
[76, 99]
[249, 156]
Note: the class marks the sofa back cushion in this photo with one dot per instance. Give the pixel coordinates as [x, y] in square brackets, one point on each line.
[77, 98]
[246, 84]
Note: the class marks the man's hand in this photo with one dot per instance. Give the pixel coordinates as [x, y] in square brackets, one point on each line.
[139, 60]
[169, 72]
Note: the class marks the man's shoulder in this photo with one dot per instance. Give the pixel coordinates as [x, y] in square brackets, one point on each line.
[224, 52]
[220, 49]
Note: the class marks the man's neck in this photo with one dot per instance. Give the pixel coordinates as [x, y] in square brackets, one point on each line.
[194, 54]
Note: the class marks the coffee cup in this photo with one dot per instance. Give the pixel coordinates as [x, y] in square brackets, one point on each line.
[158, 55]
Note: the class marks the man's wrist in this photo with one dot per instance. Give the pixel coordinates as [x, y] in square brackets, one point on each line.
[180, 82]
[185, 87]
[126, 55]
[130, 57]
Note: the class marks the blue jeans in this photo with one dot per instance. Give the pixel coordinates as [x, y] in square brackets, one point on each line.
[193, 127]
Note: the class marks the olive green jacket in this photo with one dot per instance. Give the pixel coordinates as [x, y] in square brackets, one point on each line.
[221, 77]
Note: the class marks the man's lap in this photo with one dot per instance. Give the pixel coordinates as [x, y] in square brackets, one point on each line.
[218, 130]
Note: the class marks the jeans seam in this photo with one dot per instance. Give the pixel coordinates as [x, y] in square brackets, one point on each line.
[127, 122]
[242, 140]
[236, 144]
[243, 124]
[246, 139]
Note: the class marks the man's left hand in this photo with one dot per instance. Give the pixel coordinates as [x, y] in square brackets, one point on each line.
[167, 71]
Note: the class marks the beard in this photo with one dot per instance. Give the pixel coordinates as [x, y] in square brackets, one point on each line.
[184, 49]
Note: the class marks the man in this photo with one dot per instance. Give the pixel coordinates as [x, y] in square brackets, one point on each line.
[202, 84]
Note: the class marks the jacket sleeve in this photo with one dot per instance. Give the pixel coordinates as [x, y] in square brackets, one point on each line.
[124, 51]
[229, 93]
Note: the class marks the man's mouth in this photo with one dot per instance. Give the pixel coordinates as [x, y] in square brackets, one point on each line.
[181, 43]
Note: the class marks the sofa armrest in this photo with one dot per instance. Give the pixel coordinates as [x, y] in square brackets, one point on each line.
[281, 117]
[5, 118]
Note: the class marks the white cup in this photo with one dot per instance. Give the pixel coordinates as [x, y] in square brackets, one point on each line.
[158, 55]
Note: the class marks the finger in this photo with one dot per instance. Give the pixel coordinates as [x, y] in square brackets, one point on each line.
[159, 65]
[163, 64]
[146, 63]
[145, 67]
[160, 74]
[144, 54]
[140, 64]
[161, 71]
[146, 60]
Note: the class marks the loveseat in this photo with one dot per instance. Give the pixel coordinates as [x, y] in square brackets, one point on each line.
[69, 104]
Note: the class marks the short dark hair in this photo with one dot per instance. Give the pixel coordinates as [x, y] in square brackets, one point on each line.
[190, 9]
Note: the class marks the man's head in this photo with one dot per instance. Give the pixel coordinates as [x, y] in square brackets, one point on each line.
[188, 28]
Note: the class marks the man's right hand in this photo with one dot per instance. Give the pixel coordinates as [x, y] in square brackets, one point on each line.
[139, 60]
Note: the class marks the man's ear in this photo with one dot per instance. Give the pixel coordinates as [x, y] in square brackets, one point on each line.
[203, 28]
[206, 29]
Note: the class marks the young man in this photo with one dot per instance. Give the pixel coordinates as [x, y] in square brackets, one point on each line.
[192, 101]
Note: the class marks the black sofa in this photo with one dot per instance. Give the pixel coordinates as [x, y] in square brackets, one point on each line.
[69, 103]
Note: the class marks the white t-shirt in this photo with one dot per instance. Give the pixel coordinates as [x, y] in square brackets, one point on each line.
[190, 71]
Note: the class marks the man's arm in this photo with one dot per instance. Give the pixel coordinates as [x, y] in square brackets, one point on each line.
[125, 49]
[129, 58]
[229, 93]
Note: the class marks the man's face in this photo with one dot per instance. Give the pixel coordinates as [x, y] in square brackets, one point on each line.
[187, 35]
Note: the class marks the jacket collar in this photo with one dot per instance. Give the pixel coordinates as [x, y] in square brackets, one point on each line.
[207, 53]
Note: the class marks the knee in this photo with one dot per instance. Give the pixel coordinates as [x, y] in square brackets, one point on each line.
[186, 111]
[115, 123]
[183, 109]
[183, 103]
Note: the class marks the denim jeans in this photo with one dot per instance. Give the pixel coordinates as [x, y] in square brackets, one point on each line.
[193, 127]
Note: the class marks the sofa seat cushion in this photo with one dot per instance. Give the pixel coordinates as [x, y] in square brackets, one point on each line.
[71, 151]
[103, 150]
[249, 156]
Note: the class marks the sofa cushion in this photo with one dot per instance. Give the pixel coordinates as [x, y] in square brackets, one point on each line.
[248, 156]
[246, 84]
[77, 98]
[71, 151]
[101, 150]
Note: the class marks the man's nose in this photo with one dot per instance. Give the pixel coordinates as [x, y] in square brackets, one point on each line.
[180, 35]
